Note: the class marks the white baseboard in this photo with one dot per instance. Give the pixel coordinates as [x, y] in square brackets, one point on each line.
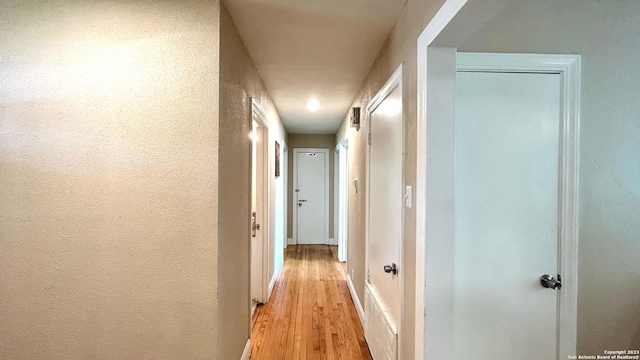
[356, 300]
[246, 354]
[274, 278]
[330, 241]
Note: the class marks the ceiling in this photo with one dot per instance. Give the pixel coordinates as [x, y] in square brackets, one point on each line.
[313, 49]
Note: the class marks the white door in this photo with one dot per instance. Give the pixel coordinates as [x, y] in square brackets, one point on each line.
[385, 203]
[258, 214]
[506, 199]
[311, 195]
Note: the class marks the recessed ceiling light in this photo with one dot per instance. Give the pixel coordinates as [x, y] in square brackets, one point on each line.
[313, 105]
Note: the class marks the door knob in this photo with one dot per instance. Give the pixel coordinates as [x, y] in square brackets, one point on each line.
[391, 269]
[548, 281]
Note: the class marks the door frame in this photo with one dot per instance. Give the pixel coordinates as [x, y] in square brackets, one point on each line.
[395, 81]
[294, 197]
[434, 186]
[259, 116]
[341, 232]
[284, 162]
[335, 240]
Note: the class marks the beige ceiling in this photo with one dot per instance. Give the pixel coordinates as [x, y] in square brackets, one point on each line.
[320, 49]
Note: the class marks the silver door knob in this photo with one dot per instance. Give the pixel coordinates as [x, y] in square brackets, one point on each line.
[391, 269]
[549, 282]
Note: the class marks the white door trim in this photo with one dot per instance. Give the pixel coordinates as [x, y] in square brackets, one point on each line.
[258, 114]
[257, 110]
[296, 151]
[434, 256]
[395, 81]
[437, 24]
[284, 162]
[335, 240]
[341, 231]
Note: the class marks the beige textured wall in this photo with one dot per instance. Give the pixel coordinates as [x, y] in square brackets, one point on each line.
[606, 34]
[400, 48]
[239, 82]
[310, 141]
[108, 180]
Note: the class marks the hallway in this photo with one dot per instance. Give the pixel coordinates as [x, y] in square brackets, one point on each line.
[310, 314]
[165, 164]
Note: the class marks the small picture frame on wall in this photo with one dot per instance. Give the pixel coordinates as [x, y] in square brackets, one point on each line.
[277, 172]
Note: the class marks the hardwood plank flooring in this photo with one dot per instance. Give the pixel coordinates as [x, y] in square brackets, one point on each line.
[310, 314]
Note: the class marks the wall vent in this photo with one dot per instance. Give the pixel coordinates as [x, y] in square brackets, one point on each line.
[380, 332]
[354, 119]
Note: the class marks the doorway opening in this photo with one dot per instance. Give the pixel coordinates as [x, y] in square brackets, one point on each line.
[260, 217]
[442, 74]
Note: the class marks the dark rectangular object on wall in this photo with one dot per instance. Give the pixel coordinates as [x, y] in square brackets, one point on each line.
[354, 120]
[277, 159]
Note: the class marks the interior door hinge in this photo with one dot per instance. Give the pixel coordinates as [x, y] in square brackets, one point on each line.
[369, 139]
[368, 276]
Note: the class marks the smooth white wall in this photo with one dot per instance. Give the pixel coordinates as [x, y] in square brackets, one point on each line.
[605, 34]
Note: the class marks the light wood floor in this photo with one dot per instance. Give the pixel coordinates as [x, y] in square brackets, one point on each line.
[310, 314]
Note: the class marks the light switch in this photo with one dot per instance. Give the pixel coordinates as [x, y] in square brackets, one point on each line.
[355, 184]
[408, 197]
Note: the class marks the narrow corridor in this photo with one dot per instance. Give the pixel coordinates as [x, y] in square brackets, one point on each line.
[310, 314]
